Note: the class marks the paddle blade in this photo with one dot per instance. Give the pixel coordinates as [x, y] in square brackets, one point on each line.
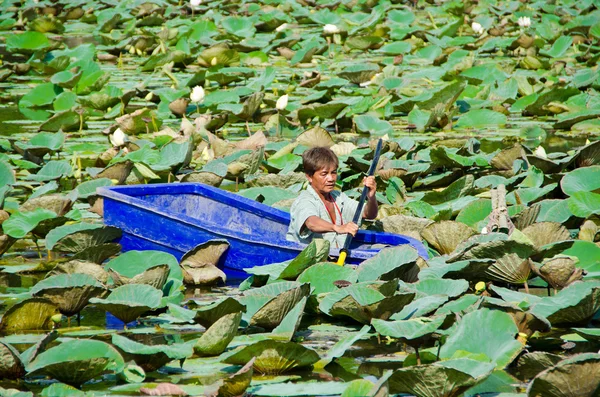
[341, 259]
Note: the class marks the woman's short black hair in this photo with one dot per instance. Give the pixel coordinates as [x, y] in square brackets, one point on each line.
[318, 158]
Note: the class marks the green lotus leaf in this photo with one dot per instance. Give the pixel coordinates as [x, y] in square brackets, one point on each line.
[475, 213]
[21, 223]
[66, 78]
[79, 236]
[445, 236]
[156, 276]
[54, 169]
[88, 188]
[457, 189]
[256, 298]
[389, 263]
[408, 225]
[79, 266]
[27, 42]
[527, 322]
[69, 292]
[323, 111]
[451, 288]
[43, 143]
[582, 180]
[321, 277]
[578, 375]
[207, 315]
[76, 361]
[108, 97]
[137, 122]
[151, 357]
[216, 338]
[132, 263]
[421, 307]
[11, 366]
[273, 357]
[359, 73]
[471, 270]
[495, 341]
[481, 118]
[446, 378]
[310, 388]
[531, 364]
[272, 313]
[56, 203]
[373, 125]
[575, 304]
[343, 344]
[363, 303]
[30, 314]
[236, 384]
[315, 136]
[61, 390]
[589, 155]
[98, 253]
[413, 331]
[505, 158]
[555, 94]
[584, 204]
[130, 301]
[459, 305]
[289, 324]
[132, 374]
[559, 47]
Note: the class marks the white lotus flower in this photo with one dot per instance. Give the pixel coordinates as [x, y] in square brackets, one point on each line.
[540, 152]
[197, 94]
[118, 138]
[282, 102]
[281, 27]
[195, 3]
[524, 22]
[330, 29]
[477, 28]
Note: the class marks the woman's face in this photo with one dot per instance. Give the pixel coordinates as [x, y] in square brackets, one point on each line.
[323, 181]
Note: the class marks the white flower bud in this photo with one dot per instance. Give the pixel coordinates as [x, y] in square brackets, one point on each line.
[195, 3]
[477, 28]
[282, 102]
[281, 27]
[197, 94]
[540, 152]
[118, 138]
[330, 29]
[524, 22]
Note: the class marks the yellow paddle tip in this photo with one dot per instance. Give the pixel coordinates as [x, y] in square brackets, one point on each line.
[341, 259]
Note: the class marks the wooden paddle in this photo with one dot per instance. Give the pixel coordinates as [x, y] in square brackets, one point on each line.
[361, 203]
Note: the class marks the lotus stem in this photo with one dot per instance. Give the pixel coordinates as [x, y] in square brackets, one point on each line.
[432, 20]
[78, 319]
[154, 123]
[37, 247]
[418, 356]
[197, 108]
[526, 287]
[248, 128]
[80, 122]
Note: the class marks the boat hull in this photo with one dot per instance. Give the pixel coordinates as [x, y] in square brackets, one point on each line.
[177, 217]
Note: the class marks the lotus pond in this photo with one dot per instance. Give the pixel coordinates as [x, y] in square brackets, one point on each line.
[490, 116]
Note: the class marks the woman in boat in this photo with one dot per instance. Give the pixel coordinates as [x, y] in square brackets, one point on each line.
[322, 212]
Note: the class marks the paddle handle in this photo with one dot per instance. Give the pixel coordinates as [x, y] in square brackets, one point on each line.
[361, 203]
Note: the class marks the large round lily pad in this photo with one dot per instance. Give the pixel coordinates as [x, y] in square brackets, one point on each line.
[151, 357]
[572, 377]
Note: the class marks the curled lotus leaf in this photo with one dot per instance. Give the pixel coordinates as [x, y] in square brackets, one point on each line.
[207, 315]
[389, 263]
[315, 136]
[57, 203]
[389, 173]
[155, 276]
[527, 322]
[588, 231]
[441, 379]
[136, 122]
[97, 253]
[526, 217]
[359, 73]
[150, 357]
[445, 236]
[216, 338]
[202, 275]
[83, 267]
[404, 224]
[130, 301]
[272, 313]
[510, 268]
[208, 178]
[505, 158]
[544, 233]
[282, 181]
[495, 341]
[589, 155]
[78, 240]
[236, 384]
[30, 314]
[117, 171]
[208, 253]
[578, 375]
[69, 292]
[559, 272]
[274, 357]
[575, 304]
[76, 361]
[531, 364]
[11, 366]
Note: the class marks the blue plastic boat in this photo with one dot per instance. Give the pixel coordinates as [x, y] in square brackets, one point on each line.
[176, 217]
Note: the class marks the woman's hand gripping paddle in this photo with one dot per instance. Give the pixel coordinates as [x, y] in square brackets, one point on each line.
[361, 203]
